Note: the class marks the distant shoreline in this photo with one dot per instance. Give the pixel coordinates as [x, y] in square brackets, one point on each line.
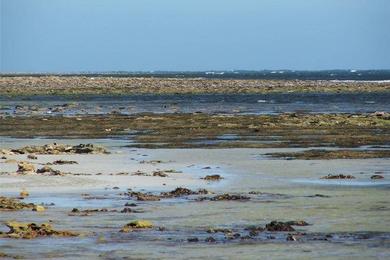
[356, 75]
[106, 85]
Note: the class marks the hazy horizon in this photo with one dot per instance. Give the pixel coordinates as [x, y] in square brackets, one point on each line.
[172, 35]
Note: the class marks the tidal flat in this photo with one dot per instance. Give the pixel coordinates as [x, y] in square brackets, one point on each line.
[248, 177]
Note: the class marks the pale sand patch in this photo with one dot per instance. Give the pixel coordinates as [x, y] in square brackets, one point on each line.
[242, 169]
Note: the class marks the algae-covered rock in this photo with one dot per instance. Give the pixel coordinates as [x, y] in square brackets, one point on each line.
[13, 204]
[25, 168]
[38, 208]
[137, 224]
[24, 194]
[32, 230]
[59, 149]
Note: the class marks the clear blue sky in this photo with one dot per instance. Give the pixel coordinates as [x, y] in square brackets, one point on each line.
[134, 35]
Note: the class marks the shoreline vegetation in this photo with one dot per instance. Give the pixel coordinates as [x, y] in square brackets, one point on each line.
[104, 85]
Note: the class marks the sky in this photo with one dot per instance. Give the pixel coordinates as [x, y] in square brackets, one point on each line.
[193, 35]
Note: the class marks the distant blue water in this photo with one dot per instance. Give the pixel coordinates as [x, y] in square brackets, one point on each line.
[360, 75]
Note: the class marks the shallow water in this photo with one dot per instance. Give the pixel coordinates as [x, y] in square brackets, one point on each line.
[210, 103]
[353, 218]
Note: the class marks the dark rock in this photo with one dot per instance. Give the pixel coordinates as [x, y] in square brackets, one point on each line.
[278, 226]
[32, 157]
[61, 162]
[193, 239]
[297, 223]
[339, 176]
[377, 177]
[47, 169]
[178, 192]
[160, 174]
[215, 177]
[210, 240]
[225, 197]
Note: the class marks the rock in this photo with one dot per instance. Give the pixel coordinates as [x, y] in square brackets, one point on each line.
[13, 204]
[339, 176]
[291, 237]
[137, 224]
[38, 208]
[254, 230]
[178, 192]
[61, 162]
[278, 226]
[215, 177]
[318, 196]
[47, 169]
[210, 240]
[193, 239]
[219, 230]
[32, 157]
[160, 174]
[145, 197]
[383, 115]
[32, 230]
[297, 223]
[61, 149]
[225, 197]
[87, 212]
[126, 210]
[25, 168]
[24, 194]
[130, 204]
[139, 173]
[377, 177]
